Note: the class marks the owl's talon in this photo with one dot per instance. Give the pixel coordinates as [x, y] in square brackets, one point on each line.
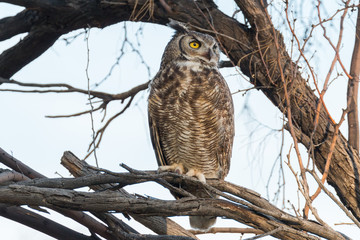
[175, 167]
[197, 174]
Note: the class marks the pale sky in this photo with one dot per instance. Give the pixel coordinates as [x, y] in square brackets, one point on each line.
[40, 142]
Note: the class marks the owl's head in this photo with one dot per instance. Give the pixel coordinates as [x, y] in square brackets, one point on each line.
[191, 46]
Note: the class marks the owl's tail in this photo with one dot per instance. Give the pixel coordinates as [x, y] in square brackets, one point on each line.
[199, 222]
[202, 222]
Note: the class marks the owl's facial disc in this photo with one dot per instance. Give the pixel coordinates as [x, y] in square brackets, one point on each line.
[200, 48]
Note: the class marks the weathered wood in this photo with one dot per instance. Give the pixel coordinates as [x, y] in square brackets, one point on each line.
[41, 223]
[109, 180]
[114, 201]
[159, 225]
[80, 217]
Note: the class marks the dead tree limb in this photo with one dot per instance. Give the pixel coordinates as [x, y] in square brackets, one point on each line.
[40, 223]
[158, 224]
[82, 218]
[116, 201]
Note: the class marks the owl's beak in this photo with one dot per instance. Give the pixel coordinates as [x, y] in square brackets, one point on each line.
[210, 54]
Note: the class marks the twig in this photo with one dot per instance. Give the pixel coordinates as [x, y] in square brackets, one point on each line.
[288, 112]
[300, 49]
[89, 94]
[330, 154]
[99, 134]
[227, 230]
[337, 47]
[166, 6]
[266, 234]
[345, 210]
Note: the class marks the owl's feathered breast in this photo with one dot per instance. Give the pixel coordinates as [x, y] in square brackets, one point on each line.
[191, 118]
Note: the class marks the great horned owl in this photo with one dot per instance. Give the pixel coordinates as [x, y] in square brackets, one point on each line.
[191, 113]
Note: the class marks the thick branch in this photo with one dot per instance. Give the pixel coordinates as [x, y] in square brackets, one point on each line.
[110, 201]
[345, 163]
[21, 23]
[253, 200]
[159, 225]
[31, 47]
[41, 223]
[353, 89]
[80, 217]
[37, 3]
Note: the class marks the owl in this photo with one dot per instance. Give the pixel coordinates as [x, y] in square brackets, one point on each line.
[191, 115]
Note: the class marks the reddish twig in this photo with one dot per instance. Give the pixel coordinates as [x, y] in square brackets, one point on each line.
[322, 93]
[329, 157]
[288, 104]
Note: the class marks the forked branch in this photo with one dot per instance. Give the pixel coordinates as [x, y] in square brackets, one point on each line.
[238, 203]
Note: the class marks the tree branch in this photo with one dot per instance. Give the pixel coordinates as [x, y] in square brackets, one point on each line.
[158, 224]
[114, 201]
[353, 89]
[41, 223]
[15, 58]
[20, 23]
[80, 217]
[253, 201]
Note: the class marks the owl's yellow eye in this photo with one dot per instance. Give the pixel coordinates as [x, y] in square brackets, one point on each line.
[194, 44]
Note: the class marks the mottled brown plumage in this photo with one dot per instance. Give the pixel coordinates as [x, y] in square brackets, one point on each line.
[191, 114]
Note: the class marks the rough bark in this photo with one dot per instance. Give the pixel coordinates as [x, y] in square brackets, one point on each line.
[82, 218]
[77, 168]
[241, 204]
[40, 223]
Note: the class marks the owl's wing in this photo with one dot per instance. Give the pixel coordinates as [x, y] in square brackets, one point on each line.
[226, 154]
[155, 139]
[225, 147]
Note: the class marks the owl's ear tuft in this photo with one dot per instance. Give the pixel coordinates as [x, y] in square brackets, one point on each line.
[178, 26]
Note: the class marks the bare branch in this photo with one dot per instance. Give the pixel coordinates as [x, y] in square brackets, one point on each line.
[227, 230]
[20, 23]
[99, 133]
[15, 58]
[40, 223]
[105, 97]
[109, 201]
[346, 211]
[352, 90]
[9, 176]
[37, 3]
[158, 224]
[253, 200]
[80, 217]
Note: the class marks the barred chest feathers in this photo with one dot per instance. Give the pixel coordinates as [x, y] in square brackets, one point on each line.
[191, 116]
